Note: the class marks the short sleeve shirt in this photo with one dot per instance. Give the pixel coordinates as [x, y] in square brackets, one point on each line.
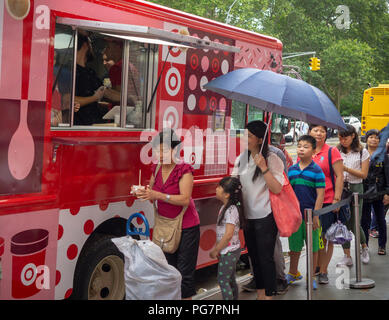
[115, 74]
[256, 193]
[87, 83]
[354, 161]
[305, 182]
[231, 216]
[321, 159]
[171, 186]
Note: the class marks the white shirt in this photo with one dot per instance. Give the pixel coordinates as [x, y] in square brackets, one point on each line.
[230, 216]
[353, 160]
[256, 194]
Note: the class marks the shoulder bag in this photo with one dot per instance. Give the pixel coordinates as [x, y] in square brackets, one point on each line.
[286, 209]
[167, 231]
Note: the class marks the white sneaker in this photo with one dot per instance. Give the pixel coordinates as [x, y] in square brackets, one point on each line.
[346, 261]
[365, 255]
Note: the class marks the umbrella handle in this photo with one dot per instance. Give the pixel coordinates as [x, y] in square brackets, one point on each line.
[267, 129]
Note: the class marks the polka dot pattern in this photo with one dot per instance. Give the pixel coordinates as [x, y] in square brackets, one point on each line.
[88, 227]
[208, 240]
[77, 224]
[72, 251]
[203, 66]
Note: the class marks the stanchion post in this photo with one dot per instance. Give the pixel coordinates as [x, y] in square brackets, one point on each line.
[358, 282]
[309, 222]
[358, 272]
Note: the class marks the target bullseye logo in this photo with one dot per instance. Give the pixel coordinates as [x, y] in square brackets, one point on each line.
[213, 104]
[194, 61]
[173, 81]
[28, 274]
[175, 52]
[215, 65]
[192, 158]
[171, 118]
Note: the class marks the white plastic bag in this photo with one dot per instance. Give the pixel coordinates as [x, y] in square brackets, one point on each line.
[147, 274]
[338, 233]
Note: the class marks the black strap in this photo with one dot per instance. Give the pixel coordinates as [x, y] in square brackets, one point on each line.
[331, 169]
[333, 207]
[346, 201]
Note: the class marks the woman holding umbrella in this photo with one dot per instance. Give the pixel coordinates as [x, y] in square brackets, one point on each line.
[260, 171]
[332, 194]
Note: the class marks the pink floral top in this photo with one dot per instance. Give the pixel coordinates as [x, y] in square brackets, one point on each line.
[171, 186]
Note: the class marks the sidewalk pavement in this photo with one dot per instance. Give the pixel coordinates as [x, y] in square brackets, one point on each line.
[376, 270]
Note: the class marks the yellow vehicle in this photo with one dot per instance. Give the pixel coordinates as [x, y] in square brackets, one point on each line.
[375, 108]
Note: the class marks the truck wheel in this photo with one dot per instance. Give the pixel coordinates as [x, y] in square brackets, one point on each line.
[99, 273]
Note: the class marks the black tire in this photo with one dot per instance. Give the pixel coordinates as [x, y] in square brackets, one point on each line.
[100, 259]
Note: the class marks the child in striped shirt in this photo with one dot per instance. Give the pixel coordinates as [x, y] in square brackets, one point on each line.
[308, 182]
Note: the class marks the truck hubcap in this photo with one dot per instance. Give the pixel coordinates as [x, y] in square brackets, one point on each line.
[107, 280]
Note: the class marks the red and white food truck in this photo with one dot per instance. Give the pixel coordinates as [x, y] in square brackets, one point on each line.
[65, 182]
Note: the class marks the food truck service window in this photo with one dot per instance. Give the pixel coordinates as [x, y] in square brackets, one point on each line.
[105, 74]
[100, 83]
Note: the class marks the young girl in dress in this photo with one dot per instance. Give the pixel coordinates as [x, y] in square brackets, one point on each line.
[227, 249]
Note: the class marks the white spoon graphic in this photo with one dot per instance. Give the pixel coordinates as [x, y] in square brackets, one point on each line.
[21, 150]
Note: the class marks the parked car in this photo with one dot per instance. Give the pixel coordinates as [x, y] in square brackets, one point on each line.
[331, 132]
[296, 132]
[354, 121]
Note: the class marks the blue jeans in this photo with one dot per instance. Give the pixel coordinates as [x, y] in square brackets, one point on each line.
[380, 216]
[373, 225]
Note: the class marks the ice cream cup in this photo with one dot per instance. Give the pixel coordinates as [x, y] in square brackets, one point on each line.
[136, 188]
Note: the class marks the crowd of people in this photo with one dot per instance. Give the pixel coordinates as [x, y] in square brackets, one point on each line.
[318, 178]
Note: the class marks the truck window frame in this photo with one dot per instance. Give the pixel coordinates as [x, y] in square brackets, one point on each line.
[149, 35]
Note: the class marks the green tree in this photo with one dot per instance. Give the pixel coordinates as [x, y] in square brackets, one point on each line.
[347, 68]
[311, 25]
[245, 14]
[350, 58]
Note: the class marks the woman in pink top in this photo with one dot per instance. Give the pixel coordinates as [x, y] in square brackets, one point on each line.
[172, 189]
[330, 197]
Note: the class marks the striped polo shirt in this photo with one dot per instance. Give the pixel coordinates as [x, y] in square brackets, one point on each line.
[353, 160]
[305, 182]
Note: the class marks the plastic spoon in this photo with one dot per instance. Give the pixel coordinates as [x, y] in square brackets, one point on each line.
[21, 150]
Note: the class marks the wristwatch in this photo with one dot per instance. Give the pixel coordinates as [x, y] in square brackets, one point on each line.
[167, 197]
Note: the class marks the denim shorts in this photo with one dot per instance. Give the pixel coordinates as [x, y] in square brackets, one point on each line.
[327, 219]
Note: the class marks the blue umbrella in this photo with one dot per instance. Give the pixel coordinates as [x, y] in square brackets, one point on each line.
[278, 93]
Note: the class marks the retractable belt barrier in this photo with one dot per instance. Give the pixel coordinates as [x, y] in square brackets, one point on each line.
[358, 282]
[348, 200]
